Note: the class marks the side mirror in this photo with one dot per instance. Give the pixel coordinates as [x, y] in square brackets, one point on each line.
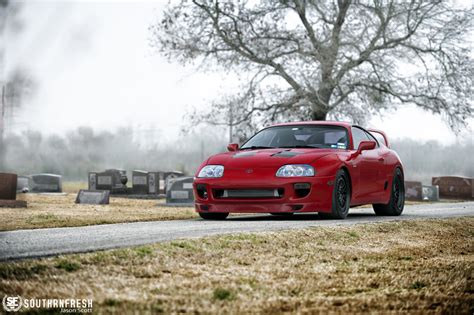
[233, 147]
[366, 145]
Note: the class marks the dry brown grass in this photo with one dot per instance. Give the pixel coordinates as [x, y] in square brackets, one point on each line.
[58, 211]
[409, 266]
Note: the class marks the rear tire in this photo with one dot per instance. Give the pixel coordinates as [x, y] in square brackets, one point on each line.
[397, 197]
[341, 197]
[213, 216]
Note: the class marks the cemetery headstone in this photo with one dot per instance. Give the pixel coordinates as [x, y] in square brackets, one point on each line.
[112, 179]
[46, 183]
[154, 183]
[455, 187]
[170, 175]
[161, 182]
[23, 184]
[92, 179]
[413, 190]
[430, 193]
[8, 185]
[180, 191]
[93, 197]
[140, 182]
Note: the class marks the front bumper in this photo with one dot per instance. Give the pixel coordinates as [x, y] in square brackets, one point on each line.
[319, 198]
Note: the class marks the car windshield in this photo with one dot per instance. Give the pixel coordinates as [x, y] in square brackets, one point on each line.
[306, 136]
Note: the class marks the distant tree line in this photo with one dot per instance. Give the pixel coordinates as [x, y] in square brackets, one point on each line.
[424, 160]
[76, 153]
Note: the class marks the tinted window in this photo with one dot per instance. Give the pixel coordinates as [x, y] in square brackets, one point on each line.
[300, 136]
[379, 137]
[358, 135]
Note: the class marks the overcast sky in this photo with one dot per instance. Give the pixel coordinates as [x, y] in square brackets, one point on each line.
[94, 67]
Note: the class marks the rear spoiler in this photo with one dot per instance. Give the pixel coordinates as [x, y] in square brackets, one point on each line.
[380, 132]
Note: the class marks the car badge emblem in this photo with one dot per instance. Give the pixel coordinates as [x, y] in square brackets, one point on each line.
[249, 171]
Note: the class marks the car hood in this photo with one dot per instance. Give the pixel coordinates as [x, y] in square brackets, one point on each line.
[268, 157]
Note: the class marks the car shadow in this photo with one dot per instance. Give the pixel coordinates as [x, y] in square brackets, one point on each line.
[295, 217]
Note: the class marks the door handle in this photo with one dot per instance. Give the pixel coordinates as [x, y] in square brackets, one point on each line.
[381, 159]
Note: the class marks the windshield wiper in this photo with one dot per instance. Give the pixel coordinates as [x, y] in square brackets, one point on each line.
[299, 147]
[256, 147]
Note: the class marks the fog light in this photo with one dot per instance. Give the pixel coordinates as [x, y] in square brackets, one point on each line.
[201, 190]
[302, 189]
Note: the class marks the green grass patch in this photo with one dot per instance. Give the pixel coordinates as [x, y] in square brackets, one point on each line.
[418, 285]
[20, 272]
[112, 302]
[144, 251]
[408, 258]
[223, 294]
[68, 265]
[42, 218]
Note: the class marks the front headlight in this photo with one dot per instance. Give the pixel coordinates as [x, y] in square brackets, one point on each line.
[295, 170]
[211, 171]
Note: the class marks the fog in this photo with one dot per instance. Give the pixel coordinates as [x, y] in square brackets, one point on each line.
[98, 96]
[76, 153]
[92, 65]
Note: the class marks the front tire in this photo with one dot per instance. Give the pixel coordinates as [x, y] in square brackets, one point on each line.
[213, 216]
[341, 197]
[397, 197]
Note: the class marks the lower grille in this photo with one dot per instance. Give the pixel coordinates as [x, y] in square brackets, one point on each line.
[248, 193]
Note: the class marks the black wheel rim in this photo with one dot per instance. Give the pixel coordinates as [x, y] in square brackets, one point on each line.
[398, 193]
[342, 193]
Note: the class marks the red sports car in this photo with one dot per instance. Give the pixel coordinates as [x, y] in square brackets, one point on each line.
[317, 166]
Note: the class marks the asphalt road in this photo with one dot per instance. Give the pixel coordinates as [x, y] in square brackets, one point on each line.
[49, 242]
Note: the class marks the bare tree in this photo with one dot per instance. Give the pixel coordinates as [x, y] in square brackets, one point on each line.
[17, 85]
[313, 59]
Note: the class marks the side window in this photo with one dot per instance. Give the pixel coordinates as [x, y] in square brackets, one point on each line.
[379, 137]
[358, 135]
[371, 137]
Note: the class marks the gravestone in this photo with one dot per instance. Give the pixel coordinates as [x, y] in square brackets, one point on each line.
[180, 191]
[112, 179]
[140, 182]
[167, 176]
[455, 187]
[46, 183]
[154, 183]
[8, 184]
[413, 190]
[92, 179]
[93, 197]
[23, 184]
[430, 193]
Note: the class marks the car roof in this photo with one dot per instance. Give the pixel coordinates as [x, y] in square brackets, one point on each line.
[317, 122]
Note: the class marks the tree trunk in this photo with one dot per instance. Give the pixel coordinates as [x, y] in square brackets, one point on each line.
[318, 115]
[318, 111]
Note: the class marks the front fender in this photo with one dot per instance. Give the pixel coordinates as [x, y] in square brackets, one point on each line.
[328, 165]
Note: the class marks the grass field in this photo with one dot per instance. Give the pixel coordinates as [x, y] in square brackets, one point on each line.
[409, 266]
[60, 210]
